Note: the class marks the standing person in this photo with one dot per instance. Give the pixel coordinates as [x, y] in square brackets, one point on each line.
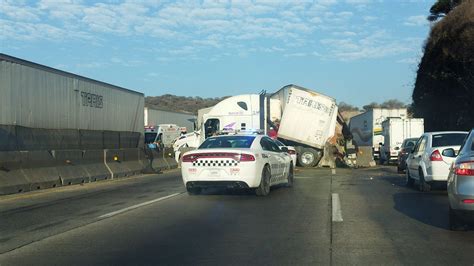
[272, 133]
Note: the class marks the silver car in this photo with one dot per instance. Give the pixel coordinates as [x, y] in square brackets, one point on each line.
[461, 186]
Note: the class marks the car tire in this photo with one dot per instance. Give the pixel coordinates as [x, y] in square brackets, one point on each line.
[290, 179]
[409, 182]
[264, 188]
[194, 191]
[422, 184]
[309, 157]
[454, 223]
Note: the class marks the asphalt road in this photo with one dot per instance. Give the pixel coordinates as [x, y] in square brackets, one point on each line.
[356, 217]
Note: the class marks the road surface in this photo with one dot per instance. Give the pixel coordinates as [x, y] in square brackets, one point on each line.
[357, 217]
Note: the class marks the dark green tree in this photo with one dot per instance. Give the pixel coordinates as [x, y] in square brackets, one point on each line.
[343, 107]
[441, 8]
[444, 86]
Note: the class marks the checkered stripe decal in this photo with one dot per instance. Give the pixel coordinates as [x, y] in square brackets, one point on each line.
[229, 162]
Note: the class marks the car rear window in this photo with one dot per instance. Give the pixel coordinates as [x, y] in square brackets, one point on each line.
[409, 143]
[449, 139]
[227, 142]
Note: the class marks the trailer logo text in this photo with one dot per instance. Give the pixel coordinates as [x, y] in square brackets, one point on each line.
[92, 100]
[313, 104]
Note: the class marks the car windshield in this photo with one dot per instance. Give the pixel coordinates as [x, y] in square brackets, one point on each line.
[228, 142]
[448, 139]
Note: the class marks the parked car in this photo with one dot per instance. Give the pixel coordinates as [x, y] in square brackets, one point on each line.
[405, 149]
[430, 160]
[237, 161]
[461, 185]
[291, 151]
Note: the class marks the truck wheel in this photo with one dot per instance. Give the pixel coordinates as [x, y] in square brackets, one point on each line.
[309, 157]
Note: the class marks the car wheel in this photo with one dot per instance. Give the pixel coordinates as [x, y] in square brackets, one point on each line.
[423, 186]
[409, 180]
[454, 223]
[309, 157]
[194, 191]
[290, 178]
[264, 187]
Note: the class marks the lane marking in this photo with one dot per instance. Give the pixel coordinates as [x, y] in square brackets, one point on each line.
[304, 177]
[110, 214]
[336, 208]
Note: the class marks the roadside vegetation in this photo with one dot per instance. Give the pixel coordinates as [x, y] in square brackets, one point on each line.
[444, 86]
[184, 104]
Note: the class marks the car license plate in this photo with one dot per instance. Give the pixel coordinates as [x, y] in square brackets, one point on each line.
[214, 173]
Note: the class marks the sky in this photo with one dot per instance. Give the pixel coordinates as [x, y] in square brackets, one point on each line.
[357, 51]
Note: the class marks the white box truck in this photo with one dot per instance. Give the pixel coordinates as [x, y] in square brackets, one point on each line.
[303, 118]
[395, 131]
[366, 128]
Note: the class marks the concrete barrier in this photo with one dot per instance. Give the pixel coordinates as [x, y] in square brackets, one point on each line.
[132, 160]
[126, 162]
[71, 167]
[365, 157]
[168, 156]
[12, 178]
[93, 164]
[159, 163]
[39, 167]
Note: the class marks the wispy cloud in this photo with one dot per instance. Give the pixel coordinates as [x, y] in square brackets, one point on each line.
[374, 45]
[416, 21]
[194, 26]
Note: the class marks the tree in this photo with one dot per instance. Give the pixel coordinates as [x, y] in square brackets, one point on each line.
[344, 107]
[444, 86]
[393, 103]
[441, 8]
[370, 106]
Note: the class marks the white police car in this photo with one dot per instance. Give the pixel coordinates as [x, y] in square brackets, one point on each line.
[237, 161]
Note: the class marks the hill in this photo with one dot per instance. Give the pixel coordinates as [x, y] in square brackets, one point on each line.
[180, 103]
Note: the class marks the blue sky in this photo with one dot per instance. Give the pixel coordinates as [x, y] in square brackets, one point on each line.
[356, 51]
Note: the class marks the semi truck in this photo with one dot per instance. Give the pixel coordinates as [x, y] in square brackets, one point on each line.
[366, 128]
[301, 117]
[395, 131]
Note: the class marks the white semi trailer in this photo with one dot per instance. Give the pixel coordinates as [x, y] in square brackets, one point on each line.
[366, 128]
[396, 130]
[303, 118]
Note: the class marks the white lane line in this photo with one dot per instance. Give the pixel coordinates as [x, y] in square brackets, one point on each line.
[110, 214]
[304, 177]
[336, 208]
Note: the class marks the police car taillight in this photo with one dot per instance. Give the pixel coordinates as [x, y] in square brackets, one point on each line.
[247, 157]
[189, 158]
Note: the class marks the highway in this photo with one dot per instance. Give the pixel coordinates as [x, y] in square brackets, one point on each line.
[352, 217]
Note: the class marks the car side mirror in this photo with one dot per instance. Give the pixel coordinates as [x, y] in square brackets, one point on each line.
[284, 149]
[449, 152]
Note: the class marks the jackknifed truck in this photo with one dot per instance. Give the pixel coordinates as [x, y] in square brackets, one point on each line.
[301, 118]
